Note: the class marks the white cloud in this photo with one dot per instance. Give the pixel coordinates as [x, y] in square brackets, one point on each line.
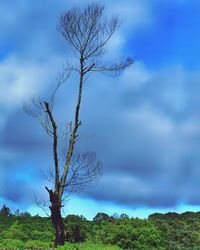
[134, 13]
[21, 80]
[136, 76]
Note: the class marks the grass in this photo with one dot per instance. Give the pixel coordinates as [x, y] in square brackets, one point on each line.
[88, 246]
[39, 245]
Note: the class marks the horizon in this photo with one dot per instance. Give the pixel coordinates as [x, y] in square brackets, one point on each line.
[114, 215]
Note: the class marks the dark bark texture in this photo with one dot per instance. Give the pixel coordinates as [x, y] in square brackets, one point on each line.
[57, 219]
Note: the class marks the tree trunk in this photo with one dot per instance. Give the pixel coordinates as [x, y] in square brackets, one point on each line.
[57, 219]
[58, 225]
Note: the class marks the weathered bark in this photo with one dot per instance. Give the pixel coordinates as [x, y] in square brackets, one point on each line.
[56, 218]
[55, 144]
[73, 135]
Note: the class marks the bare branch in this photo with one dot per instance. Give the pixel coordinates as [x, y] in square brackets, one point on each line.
[88, 33]
[42, 204]
[37, 110]
[84, 170]
[113, 69]
[61, 80]
[55, 144]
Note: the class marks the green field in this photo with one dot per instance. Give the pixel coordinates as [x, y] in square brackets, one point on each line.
[159, 232]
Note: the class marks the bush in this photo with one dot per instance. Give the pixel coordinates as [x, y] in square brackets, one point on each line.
[37, 245]
[11, 245]
[88, 246]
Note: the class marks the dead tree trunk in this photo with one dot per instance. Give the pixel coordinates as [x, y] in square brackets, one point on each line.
[56, 218]
[87, 32]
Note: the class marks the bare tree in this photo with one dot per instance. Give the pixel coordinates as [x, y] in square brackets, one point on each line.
[88, 33]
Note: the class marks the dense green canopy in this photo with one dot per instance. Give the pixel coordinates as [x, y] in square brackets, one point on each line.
[158, 232]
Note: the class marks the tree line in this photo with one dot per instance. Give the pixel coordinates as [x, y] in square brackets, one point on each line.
[158, 232]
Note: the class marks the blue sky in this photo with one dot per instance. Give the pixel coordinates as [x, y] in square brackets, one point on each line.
[143, 125]
[173, 37]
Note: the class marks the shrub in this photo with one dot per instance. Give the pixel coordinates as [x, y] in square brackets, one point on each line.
[11, 245]
[37, 245]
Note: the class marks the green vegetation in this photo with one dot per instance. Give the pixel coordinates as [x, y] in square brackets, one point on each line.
[39, 245]
[158, 232]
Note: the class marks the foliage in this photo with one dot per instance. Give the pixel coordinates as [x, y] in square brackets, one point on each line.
[169, 231]
[11, 245]
[39, 245]
[178, 231]
[88, 246]
[75, 229]
[127, 233]
[101, 216]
